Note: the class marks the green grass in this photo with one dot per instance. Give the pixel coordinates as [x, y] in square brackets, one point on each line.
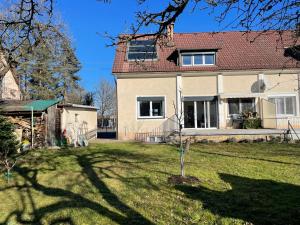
[126, 183]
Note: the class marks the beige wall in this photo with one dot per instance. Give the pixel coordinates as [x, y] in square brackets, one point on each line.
[285, 83]
[192, 85]
[128, 91]
[87, 120]
[199, 86]
[239, 83]
[10, 89]
[275, 85]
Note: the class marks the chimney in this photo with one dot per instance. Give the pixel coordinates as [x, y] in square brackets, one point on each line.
[170, 35]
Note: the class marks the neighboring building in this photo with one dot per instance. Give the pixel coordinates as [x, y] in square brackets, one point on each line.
[9, 83]
[53, 123]
[213, 76]
[78, 120]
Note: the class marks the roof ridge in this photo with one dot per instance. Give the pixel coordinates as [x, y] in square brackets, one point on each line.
[216, 32]
[233, 31]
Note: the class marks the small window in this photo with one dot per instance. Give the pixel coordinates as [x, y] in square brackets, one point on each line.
[142, 50]
[241, 105]
[198, 59]
[285, 105]
[150, 107]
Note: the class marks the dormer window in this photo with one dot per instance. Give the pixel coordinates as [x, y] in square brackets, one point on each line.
[141, 50]
[198, 59]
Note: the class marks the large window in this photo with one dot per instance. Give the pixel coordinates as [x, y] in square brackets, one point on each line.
[240, 105]
[151, 107]
[285, 105]
[141, 50]
[198, 59]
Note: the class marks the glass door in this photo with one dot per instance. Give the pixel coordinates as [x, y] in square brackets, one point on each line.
[200, 114]
[213, 114]
[189, 115]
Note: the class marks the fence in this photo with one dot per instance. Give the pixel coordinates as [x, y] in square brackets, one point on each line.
[282, 123]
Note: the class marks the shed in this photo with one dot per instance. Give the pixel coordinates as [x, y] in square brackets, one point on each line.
[78, 122]
[44, 114]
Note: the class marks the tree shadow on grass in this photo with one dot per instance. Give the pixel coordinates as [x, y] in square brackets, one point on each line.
[247, 157]
[260, 202]
[121, 213]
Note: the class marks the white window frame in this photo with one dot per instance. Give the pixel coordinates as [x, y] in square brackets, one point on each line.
[193, 58]
[240, 105]
[284, 96]
[151, 111]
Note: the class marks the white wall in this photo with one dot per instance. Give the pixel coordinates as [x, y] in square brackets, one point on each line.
[86, 120]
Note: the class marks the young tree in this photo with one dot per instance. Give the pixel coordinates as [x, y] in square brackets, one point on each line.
[106, 99]
[183, 147]
[8, 146]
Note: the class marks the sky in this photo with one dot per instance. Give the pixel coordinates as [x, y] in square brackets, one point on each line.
[88, 21]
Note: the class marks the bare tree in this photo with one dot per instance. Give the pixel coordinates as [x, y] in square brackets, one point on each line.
[21, 21]
[105, 96]
[270, 15]
[18, 20]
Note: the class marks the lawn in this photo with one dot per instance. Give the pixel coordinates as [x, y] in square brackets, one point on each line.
[126, 183]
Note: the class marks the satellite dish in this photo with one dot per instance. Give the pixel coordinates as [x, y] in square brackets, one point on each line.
[258, 86]
[262, 85]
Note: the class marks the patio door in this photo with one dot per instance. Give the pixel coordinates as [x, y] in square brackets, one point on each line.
[200, 114]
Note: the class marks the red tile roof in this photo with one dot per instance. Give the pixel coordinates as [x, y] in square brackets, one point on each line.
[235, 51]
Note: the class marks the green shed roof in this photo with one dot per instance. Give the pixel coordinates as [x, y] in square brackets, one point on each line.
[24, 106]
[41, 105]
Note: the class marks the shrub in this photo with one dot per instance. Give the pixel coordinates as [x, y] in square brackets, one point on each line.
[8, 145]
[251, 120]
[252, 123]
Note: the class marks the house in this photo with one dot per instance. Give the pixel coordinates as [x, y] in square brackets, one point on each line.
[209, 78]
[51, 122]
[9, 83]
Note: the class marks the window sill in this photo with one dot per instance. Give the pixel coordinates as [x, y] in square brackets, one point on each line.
[285, 115]
[198, 65]
[150, 117]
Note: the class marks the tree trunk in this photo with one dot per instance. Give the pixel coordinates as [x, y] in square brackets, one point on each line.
[181, 154]
[182, 162]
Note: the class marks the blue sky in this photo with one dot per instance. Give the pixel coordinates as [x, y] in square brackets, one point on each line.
[88, 20]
